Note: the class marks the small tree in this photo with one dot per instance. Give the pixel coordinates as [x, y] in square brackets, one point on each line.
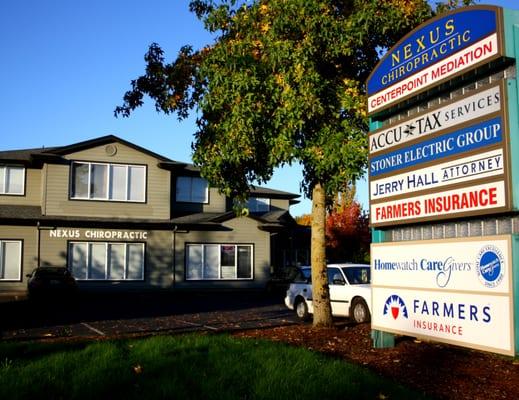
[347, 230]
[283, 82]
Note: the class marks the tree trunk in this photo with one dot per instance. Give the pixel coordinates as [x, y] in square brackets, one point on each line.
[320, 289]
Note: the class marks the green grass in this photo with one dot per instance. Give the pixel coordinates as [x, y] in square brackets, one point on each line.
[184, 367]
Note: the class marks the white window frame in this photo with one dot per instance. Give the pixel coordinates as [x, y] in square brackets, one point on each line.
[2, 266]
[254, 202]
[107, 244]
[190, 199]
[108, 182]
[220, 245]
[4, 190]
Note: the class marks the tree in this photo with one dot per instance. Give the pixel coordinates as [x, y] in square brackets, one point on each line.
[347, 230]
[283, 82]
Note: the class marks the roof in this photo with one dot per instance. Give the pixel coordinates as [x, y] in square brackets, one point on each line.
[30, 155]
[38, 156]
[31, 215]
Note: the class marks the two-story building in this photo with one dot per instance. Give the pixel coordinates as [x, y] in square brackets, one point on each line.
[118, 215]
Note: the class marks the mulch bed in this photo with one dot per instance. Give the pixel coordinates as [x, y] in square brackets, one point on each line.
[441, 371]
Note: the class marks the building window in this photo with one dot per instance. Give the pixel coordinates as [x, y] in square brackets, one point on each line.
[192, 190]
[218, 261]
[113, 182]
[12, 180]
[258, 204]
[106, 261]
[10, 260]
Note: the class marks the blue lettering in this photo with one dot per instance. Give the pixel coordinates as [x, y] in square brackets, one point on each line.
[486, 312]
[448, 310]
[461, 311]
[435, 307]
[473, 313]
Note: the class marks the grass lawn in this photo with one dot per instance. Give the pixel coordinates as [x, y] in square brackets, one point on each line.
[184, 367]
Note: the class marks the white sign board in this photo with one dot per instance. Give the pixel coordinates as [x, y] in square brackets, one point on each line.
[454, 290]
[479, 166]
[490, 196]
[459, 112]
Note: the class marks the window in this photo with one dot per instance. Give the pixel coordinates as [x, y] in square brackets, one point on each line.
[218, 261]
[192, 189]
[106, 261]
[114, 182]
[10, 260]
[258, 204]
[12, 180]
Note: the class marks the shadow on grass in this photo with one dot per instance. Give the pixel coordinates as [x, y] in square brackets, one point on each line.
[186, 367]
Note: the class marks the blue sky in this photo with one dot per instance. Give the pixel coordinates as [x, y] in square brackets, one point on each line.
[65, 66]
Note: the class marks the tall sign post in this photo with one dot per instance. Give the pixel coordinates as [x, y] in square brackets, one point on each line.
[444, 182]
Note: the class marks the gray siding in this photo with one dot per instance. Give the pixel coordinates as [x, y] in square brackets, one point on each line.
[279, 204]
[158, 271]
[33, 189]
[157, 185]
[243, 231]
[29, 254]
[217, 203]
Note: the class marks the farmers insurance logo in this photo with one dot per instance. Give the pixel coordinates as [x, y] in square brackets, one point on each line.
[490, 266]
[396, 306]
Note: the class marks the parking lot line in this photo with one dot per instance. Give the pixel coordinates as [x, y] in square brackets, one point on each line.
[93, 329]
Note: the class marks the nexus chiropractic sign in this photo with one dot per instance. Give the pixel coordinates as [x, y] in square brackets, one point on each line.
[443, 48]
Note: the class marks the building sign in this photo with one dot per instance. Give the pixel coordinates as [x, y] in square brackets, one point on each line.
[485, 198]
[96, 234]
[477, 136]
[445, 47]
[455, 290]
[479, 166]
[469, 108]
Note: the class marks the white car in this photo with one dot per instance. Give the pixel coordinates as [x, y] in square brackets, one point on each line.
[350, 292]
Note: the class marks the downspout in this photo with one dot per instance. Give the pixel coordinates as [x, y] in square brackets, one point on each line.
[38, 257]
[174, 255]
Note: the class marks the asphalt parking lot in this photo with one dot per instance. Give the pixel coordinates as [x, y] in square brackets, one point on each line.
[119, 314]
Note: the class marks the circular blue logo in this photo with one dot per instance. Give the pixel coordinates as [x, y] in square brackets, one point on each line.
[490, 266]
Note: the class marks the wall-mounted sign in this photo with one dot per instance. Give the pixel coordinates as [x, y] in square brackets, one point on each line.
[477, 136]
[486, 198]
[455, 290]
[97, 234]
[443, 48]
[461, 111]
[478, 166]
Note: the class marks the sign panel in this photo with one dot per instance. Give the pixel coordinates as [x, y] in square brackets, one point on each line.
[472, 265]
[469, 108]
[477, 136]
[485, 198]
[454, 290]
[469, 320]
[440, 49]
[479, 166]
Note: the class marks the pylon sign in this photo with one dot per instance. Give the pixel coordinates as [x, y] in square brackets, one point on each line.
[443, 145]
[451, 159]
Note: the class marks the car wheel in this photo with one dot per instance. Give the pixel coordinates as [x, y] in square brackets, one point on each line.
[301, 310]
[360, 311]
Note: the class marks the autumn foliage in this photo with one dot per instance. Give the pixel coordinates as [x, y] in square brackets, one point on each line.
[347, 234]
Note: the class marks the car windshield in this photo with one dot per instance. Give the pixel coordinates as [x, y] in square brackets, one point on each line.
[303, 275]
[357, 275]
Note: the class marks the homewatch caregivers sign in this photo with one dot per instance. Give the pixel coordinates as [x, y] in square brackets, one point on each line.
[458, 291]
[443, 48]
